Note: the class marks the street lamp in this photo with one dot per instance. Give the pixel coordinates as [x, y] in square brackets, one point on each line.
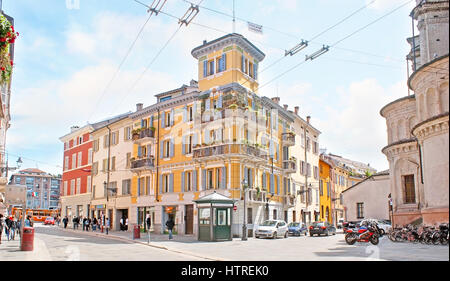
[244, 224]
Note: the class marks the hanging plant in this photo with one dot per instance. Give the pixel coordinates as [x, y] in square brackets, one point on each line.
[7, 36]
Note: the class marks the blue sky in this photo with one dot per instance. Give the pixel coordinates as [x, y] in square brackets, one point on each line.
[65, 58]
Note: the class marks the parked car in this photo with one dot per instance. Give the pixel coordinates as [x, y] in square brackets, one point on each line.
[384, 225]
[320, 228]
[340, 223]
[49, 220]
[297, 228]
[272, 228]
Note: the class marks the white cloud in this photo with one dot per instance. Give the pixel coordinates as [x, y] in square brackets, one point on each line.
[353, 127]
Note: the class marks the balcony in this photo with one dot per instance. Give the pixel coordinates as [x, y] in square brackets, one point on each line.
[143, 135]
[142, 164]
[288, 139]
[254, 196]
[227, 150]
[290, 166]
[289, 200]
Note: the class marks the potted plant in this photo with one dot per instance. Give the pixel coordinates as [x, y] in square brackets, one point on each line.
[136, 133]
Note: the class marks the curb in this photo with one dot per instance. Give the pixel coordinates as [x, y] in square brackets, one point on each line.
[112, 236]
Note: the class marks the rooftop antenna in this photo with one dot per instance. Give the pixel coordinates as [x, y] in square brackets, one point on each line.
[234, 18]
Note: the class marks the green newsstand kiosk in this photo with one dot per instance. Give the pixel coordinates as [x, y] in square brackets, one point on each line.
[214, 217]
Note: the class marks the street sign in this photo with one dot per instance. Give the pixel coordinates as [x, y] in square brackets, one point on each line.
[234, 207]
[16, 194]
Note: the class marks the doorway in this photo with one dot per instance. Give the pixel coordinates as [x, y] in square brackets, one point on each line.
[189, 219]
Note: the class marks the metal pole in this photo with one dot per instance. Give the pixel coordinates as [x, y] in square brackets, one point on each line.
[244, 226]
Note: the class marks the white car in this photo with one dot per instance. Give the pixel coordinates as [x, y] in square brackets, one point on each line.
[384, 225]
[273, 229]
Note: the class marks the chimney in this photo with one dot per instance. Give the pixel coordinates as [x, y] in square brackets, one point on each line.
[296, 110]
[276, 100]
[139, 106]
[285, 106]
[308, 118]
[74, 128]
[204, 42]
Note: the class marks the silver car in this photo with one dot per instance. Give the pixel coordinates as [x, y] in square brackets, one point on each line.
[272, 229]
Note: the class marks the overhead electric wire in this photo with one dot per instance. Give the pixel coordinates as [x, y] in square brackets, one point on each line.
[148, 66]
[339, 41]
[121, 63]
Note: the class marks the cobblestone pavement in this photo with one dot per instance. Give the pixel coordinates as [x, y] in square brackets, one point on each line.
[58, 244]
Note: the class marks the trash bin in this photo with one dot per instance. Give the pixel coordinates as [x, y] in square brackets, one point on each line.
[27, 239]
[136, 232]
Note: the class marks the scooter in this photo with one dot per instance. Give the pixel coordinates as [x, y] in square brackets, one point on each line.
[364, 234]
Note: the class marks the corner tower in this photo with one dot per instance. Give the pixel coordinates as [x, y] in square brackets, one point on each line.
[226, 60]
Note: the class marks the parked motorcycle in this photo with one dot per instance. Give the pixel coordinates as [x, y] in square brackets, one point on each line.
[370, 233]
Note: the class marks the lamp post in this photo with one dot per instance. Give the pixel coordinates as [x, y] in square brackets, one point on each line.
[244, 224]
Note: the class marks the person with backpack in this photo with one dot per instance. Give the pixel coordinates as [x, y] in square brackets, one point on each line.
[87, 223]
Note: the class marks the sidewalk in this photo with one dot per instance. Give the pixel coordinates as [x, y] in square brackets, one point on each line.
[160, 241]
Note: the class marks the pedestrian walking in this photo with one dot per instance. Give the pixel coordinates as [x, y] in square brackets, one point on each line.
[149, 222]
[122, 226]
[12, 228]
[28, 222]
[107, 225]
[170, 224]
[88, 223]
[1, 227]
[94, 224]
[84, 223]
[126, 224]
[8, 227]
[65, 221]
[74, 221]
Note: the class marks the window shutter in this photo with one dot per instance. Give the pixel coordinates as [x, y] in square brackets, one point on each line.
[264, 180]
[149, 150]
[185, 113]
[278, 185]
[139, 186]
[142, 123]
[207, 104]
[171, 183]
[204, 179]
[213, 67]
[151, 121]
[224, 62]
[163, 119]
[183, 145]
[205, 68]
[195, 140]
[271, 149]
[171, 152]
[250, 179]
[271, 184]
[160, 184]
[207, 132]
[194, 181]
[278, 152]
[224, 177]
[172, 117]
[139, 151]
[255, 71]
[161, 150]
[182, 182]
[219, 102]
[242, 63]
[246, 174]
